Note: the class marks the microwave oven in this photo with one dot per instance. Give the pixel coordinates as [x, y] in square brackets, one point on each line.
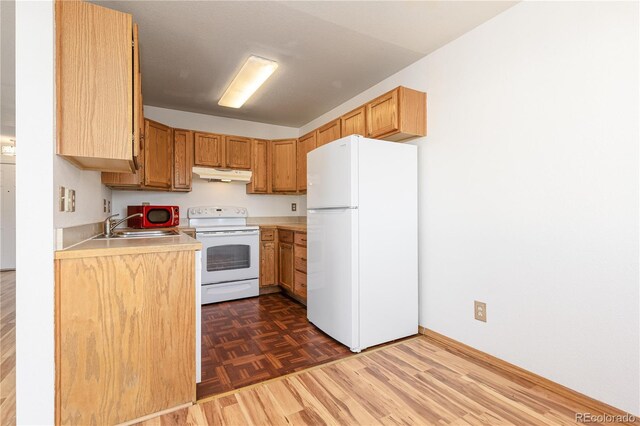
[153, 216]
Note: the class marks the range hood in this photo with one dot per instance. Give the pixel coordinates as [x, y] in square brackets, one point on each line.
[222, 175]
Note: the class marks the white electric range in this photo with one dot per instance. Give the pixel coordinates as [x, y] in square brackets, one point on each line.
[230, 252]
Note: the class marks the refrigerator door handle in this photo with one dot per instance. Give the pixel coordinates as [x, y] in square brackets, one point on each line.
[330, 209]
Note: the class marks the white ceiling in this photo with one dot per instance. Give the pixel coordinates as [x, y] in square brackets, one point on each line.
[7, 72]
[327, 51]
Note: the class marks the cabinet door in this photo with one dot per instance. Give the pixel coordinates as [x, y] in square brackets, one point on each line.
[285, 265]
[238, 152]
[138, 121]
[209, 150]
[182, 159]
[259, 179]
[328, 133]
[382, 115]
[94, 87]
[305, 144]
[158, 155]
[300, 285]
[125, 339]
[283, 165]
[267, 263]
[354, 122]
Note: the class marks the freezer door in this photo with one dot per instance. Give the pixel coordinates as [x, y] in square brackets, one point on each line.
[332, 273]
[332, 174]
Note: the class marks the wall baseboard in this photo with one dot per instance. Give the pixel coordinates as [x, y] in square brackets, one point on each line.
[454, 346]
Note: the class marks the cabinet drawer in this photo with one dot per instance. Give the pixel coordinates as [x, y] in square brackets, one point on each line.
[285, 236]
[300, 258]
[301, 238]
[267, 234]
[300, 287]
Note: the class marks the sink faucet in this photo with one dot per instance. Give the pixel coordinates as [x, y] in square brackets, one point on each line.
[110, 225]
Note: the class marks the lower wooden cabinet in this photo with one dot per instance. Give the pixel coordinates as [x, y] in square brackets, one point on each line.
[300, 265]
[268, 263]
[285, 265]
[125, 336]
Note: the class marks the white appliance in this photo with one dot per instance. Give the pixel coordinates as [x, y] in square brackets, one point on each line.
[198, 268]
[362, 240]
[230, 252]
[223, 175]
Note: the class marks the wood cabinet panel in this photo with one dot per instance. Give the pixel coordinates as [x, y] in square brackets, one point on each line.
[301, 239]
[397, 115]
[267, 234]
[354, 122]
[208, 149]
[158, 155]
[285, 265]
[285, 236]
[94, 87]
[283, 165]
[267, 263]
[238, 152]
[125, 341]
[300, 284]
[306, 144]
[259, 166]
[182, 159]
[383, 115]
[328, 133]
[300, 259]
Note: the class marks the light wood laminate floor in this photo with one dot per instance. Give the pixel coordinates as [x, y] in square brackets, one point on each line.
[7, 348]
[414, 382]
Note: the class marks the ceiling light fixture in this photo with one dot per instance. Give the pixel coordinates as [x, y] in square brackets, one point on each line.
[252, 75]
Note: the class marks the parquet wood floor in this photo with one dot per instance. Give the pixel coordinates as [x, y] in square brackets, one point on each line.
[7, 348]
[252, 340]
[413, 382]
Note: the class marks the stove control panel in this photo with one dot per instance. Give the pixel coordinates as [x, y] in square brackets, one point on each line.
[216, 211]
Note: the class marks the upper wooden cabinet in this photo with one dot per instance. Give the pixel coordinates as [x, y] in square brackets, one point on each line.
[260, 178]
[305, 144]
[238, 152]
[158, 155]
[209, 150]
[354, 122]
[397, 115]
[328, 133]
[182, 159]
[95, 86]
[283, 165]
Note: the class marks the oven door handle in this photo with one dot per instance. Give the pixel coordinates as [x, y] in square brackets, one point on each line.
[227, 234]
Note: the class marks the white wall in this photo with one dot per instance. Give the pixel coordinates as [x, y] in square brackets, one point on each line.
[529, 192]
[204, 193]
[90, 194]
[34, 177]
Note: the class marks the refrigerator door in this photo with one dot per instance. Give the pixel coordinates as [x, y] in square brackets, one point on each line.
[332, 174]
[332, 273]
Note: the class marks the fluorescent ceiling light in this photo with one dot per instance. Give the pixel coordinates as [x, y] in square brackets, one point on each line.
[252, 75]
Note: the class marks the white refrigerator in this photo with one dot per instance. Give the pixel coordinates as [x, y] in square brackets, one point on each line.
[362, 240]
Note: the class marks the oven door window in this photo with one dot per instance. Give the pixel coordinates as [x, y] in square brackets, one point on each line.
[228, 257]
[157, 216]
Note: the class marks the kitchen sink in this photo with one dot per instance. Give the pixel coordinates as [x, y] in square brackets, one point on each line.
[151, 233]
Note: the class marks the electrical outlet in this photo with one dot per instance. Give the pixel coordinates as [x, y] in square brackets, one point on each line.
[294, 207]
[72, 200]
[104, 205]
[108, 206]
[480, 310]
[62, 205]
